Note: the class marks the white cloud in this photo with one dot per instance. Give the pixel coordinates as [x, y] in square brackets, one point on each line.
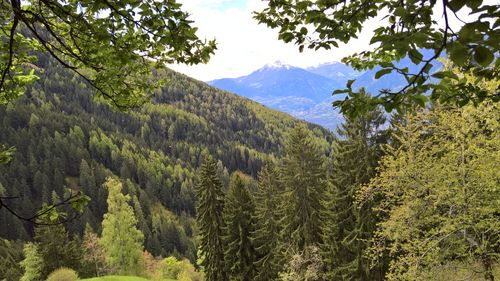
[243, 45]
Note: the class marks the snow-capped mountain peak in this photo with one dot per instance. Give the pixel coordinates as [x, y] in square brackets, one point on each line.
[278, 64]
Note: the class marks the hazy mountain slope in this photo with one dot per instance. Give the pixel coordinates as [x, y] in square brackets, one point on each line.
[279, 81]
[335, 71]
[391, 81]
[293, 90]
[306, 93]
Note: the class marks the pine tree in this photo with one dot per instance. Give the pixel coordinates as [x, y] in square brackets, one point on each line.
[266, 233]
[121, 240]
[304, 181]
[56, 249]
[210, 221]
[347, 227]
[239, 255]
[87, 180]
[32, 263]
[141, 220]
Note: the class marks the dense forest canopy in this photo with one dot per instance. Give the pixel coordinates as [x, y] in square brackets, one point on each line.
[67, 140]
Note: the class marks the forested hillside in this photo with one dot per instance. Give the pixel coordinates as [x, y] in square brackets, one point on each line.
[66, 140]
[189, 183]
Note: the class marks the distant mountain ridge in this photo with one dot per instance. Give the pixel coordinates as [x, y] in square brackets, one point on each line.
[279, 80]
[336, 71]
[306, 92]
[294, 90]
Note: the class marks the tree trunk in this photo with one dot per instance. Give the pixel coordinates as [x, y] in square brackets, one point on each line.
[96, 269]
[488, 271]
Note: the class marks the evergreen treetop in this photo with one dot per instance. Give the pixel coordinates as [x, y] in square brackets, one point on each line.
[265, 236]
[304, 179]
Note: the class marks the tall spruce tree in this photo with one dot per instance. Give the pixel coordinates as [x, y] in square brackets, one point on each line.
[210, 221]
[56, 249]
[304, 181]
[266, 233]
[348, 227]
[121, 240]
[239, 209]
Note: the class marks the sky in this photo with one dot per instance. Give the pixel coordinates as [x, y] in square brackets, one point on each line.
[243, 45]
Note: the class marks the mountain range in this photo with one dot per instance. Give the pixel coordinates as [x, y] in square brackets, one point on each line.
[306, 92]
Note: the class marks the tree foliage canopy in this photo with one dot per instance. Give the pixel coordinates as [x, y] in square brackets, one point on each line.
[121, 240]
[440, 192]
[303, 175]
[347, 228]
[112, 45]
[408, 27]
[32, 263]
[265, 236]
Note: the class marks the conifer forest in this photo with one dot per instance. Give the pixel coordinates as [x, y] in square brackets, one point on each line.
[114, 166]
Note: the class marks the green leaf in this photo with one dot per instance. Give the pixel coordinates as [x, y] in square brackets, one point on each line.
[287, 37]
[399, 11]
[456, 5]
[389, 106]
[445, 74]
[473, 32]
[420, 100]
[483, 56]
[458, 53]
[415, 56]
[428, 67]
[53, 215]
[474, 4]
[382, 72]
[80, 203]
[338, 92]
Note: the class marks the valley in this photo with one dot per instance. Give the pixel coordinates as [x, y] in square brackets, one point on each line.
[306, 93]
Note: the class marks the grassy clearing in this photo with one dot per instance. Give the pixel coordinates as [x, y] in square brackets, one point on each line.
[120, 278]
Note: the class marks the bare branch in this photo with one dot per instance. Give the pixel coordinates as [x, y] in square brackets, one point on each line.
[35, 219]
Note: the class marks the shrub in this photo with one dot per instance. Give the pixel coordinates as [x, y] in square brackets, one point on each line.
[169, 267]
[63, 274]
[188, 273]
[181, 270]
